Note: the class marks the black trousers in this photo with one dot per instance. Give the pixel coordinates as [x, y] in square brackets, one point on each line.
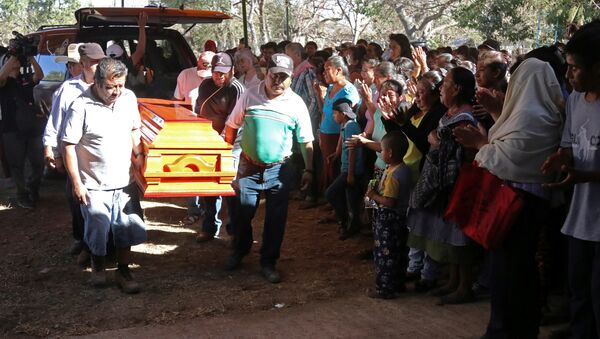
[584, 285]
[515, 302]
[76, 217]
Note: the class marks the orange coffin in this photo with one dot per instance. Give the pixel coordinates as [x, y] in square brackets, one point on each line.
[185, 156]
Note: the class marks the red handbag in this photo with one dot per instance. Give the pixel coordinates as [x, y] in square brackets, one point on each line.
[483, 206]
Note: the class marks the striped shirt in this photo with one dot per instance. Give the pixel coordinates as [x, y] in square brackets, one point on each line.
[270, 124]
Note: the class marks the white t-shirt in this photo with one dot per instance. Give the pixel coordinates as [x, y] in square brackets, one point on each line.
[582, 135]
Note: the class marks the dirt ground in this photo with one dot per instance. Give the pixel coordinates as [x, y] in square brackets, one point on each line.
[44, 293]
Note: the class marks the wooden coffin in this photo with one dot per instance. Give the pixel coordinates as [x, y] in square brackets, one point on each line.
[185, 156]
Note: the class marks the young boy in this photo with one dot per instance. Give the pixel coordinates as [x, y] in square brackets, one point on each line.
[345, 193]
[389, 227]
[579, 158]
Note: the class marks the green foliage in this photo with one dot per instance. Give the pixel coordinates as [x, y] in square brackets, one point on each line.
[27, 16]
[500, 19]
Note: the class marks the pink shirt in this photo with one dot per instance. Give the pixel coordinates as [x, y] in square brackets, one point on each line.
[304, 65]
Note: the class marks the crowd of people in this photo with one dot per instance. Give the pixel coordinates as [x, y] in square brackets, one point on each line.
[378, 139]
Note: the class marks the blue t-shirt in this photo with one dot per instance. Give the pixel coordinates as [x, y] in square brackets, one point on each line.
[328, 125]
[351, 128]
[582, 135]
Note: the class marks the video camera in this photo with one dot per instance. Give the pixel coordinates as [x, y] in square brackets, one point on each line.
[23, 47]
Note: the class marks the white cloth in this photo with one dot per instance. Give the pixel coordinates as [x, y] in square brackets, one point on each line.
[62, 99]
[103, 139]
[529, 128]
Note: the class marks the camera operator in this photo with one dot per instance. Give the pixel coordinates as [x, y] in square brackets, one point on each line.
[22, 126]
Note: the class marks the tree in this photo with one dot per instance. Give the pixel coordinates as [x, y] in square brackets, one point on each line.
[27, 16]
[420, 18]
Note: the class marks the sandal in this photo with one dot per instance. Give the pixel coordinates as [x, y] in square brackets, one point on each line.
[190, 220]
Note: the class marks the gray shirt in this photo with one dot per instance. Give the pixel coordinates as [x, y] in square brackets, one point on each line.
[103, 139]
[582, 134]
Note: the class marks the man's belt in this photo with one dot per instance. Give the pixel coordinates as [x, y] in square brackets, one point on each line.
[262, 164]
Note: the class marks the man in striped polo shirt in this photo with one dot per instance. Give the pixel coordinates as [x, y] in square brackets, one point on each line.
[271, 115]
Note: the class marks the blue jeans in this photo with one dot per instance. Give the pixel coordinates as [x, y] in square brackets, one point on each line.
[345, 200]
[194, 205]
[211, 223]
[420, 261]
[275, 182]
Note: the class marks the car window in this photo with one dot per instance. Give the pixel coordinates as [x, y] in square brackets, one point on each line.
[53, 71]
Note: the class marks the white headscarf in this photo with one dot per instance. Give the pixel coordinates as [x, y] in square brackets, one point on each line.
[529, 128]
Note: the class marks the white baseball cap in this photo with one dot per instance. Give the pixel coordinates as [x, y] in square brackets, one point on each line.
[72, 55]
[114, 51]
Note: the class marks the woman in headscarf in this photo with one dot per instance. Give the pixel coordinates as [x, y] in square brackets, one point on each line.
[527, 131]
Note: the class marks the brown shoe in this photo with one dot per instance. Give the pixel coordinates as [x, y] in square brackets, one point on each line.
[126, 282]
[83, 259]
[204, 237]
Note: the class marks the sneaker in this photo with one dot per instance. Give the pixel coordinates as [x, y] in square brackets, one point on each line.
[25, 202]
[271, 274]
[126, 282]
[83, 259]
[98, 278]
[233, 262]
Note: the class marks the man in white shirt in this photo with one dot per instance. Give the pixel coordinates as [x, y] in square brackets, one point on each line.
[87, 55]
[190, 78]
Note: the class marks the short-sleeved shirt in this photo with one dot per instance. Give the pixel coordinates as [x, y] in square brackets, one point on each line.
[270, 124]
[396, 183]
[216, 103]
[103, 139]
[187, 82]
[62, 99]
[582, 135]
[328, 125]
[349, 129]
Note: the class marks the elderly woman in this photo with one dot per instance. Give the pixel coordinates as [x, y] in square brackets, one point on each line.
[441, 239]
[419, 121]
[491, 76]
[527, 131]
[339, 87]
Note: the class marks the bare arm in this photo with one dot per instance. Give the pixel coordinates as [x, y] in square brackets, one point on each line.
[11, 65]
[231, 133]
[80, 192]
[137, 149]
[138, 55]
[38, 73]
[307, 154]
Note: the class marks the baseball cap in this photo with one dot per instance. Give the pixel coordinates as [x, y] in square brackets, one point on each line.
[490, 44]
[91, 50]
[114, 51]
[72, 55]
[210, 46]
[281, 63]
[205, 58]
[345, 106]
[221, 62]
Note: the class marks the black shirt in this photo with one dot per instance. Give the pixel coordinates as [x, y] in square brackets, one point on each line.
[216, 103]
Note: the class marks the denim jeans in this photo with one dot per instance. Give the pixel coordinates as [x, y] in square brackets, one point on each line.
[345, 200]
[194, 205]
[212, 223]
[420, 261]
[275, 183]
